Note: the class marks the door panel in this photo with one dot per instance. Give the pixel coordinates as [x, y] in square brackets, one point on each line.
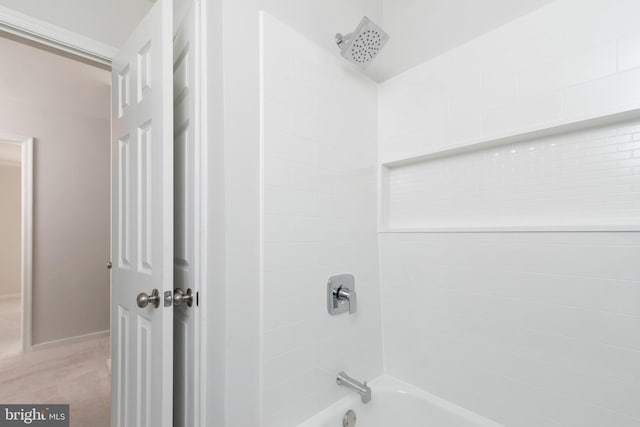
[186, 170]
[142, 160]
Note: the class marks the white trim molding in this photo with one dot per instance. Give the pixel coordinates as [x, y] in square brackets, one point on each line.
[27, 242]
[26, 144]
[42, 32]
[71, 340]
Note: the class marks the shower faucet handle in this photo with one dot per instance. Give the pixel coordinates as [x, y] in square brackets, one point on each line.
[350, 296]
[341, 294]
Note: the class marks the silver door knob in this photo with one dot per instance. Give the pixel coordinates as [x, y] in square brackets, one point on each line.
[180, 296]
[109, 265]
[144, 300]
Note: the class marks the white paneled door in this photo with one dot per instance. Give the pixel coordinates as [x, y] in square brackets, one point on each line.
[142, 204]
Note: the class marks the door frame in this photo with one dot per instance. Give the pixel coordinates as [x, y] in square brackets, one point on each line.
[26, 216]
[44, 33]
[201, 178]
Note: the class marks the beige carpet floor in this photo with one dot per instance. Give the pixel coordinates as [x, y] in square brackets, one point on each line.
[76, 374]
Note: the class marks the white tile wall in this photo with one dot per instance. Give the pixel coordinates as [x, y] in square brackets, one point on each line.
[566, 61]
[584, 178]
[528, 329]
[319, 218]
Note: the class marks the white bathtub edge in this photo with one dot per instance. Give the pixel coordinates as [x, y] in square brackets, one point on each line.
[392, 384]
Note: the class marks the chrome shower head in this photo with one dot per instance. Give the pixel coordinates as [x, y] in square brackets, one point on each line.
[363, 45]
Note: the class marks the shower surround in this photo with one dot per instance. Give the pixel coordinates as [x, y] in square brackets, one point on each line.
[528, 317]
[319, 161]
[525, 306]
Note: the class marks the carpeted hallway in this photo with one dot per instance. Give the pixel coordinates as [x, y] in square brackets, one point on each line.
[76, 374]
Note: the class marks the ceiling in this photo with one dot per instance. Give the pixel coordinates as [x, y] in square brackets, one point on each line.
[419, 29]
[423, 29]
[106, 21]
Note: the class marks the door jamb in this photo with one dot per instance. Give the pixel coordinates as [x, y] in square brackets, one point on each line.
[201, 186]
[26, 269]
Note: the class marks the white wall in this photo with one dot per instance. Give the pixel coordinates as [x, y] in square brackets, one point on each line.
[423, 29]
[528, 329]
[319, 219]
[233, 92]
[533, 72]
[64, 105]
[10, 228]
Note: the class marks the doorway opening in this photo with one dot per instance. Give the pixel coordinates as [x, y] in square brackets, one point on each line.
[16, 189]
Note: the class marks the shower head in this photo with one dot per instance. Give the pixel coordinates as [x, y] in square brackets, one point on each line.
[363, 45]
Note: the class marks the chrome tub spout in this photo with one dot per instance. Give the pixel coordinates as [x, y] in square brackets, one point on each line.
[361, 388]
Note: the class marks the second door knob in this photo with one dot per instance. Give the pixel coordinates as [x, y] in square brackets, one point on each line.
[181, 297]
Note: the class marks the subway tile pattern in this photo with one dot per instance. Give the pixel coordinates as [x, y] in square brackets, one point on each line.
[536, 71]
[528, 329]
[584, 178]
[319, 218]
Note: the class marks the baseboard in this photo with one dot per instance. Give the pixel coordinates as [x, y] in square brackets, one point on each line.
[71, 340]
[9, 296]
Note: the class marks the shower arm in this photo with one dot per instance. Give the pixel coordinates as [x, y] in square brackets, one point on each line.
[341, 40]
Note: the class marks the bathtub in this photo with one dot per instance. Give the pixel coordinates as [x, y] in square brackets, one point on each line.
[395, 403]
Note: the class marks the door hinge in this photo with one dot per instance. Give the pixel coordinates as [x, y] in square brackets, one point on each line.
[197, 299]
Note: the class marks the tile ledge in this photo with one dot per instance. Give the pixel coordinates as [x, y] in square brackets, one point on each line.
[615, 115]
